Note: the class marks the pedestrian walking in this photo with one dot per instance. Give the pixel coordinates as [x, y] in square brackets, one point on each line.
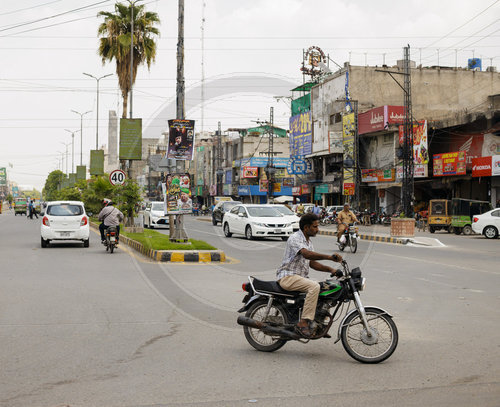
[32, 209]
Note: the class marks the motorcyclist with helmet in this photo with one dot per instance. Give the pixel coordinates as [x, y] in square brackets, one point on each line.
[109, 216]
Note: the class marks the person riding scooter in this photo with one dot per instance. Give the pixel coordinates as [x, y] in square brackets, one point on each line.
[110, 216]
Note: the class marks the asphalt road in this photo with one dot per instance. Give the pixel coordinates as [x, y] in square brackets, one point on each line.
[82, 327]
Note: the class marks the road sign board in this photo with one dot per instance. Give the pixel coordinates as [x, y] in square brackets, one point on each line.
[117, 177]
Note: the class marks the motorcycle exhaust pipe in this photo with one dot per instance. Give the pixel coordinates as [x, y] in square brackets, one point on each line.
[270, 330]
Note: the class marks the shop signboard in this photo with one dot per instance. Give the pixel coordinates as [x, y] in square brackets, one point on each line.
[243, 190]
[378, 175]
[276, 186]
[369, 175]
[261, 162]
[379, 118]
[180, 139]
[481, 166]
[449, 164]
[130, 139]
[321, 189]
[296, 191]
[301, 134]
[3, 176]
[288, 182]
[305, 189]
[249, 172]
[178, 194]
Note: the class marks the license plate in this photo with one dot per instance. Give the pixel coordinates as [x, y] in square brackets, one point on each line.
[113, 239]
[64, 234]
[277, 230]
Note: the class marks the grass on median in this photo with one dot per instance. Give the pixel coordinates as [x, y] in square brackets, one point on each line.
[152, 239]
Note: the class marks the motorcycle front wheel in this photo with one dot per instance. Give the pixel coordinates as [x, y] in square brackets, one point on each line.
[369, 349]
[258, 339]
[353, 244]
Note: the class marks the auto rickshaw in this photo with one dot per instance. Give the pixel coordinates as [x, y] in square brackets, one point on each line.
[462, 211]
[439, 215]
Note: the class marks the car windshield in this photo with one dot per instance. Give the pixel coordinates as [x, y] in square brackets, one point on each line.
[284, 210]
[226, 206]
[157, 206]
[65, 210]
[263, 212]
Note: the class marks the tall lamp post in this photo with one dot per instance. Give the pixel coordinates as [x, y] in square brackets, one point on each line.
[72, 149]
[81, 133]
[97, 115]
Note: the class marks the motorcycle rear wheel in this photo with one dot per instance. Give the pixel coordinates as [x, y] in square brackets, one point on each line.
[373, 349]
[258, 339]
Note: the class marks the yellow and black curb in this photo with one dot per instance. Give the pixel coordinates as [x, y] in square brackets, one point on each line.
[386, 239]
[174, 256]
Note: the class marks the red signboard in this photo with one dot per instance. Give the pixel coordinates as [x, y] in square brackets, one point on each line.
[250, 172]
[449, 164]
[377, 119]
[349, 188]
[481, 167]
[305, 189]
[295, 191]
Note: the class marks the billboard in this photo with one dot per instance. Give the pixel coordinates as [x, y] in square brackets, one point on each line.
[420, 144]
[178, 194]
[180, 139]
[449, 164]
[378, 175]
[335, 142]
[130, 139]
[348, 132]
[301, 134]
[3, 176]
[379, 118]
[96, 162]
[81, 172]
[249, 172]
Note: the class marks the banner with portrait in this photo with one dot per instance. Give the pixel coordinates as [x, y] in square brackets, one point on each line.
[180, 139]
[178, 192]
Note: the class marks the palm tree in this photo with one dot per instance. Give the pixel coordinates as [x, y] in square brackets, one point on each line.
[114, 42]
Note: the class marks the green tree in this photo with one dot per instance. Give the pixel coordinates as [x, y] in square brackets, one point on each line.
[97, 189]
[9, 198]
[128, 197]
[115, 33]
[53, 185]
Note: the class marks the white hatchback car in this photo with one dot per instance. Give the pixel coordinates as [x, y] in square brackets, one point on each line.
[154, 215]
[256, 221]
[63, 221]
[487, 224]
[289, 216]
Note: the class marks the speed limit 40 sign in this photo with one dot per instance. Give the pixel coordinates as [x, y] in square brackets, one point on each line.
[117, 177]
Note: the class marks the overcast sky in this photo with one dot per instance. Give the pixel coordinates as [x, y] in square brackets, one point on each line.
[41, 78]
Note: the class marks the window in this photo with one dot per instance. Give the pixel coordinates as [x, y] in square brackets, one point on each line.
[496, 213]
[235, 210]
[335, 118]
[65, 210]
[243, 212]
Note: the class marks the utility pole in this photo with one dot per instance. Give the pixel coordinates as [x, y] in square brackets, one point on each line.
[72, 149]
[179, 234]
[270, 153]
[408, 184]
[81, 133]
[219, 171]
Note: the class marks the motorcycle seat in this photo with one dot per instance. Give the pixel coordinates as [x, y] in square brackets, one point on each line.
[273, 287]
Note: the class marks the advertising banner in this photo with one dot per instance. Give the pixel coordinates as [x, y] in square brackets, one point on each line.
[263, 185]
[72, 179]
[180, 139]
[249, 172]
[130, 139]
[229, 177]
[96, 162]
[288, 182]
[178, 194]
[348, 132]
[278, 162]
[420, 144]
[295, 191]
[495, 165]
[335, 142]
[81, 172]
[226, 189]
[305, 189]
[3, 176]
[301, 134]
[379, 118]
[449, 164]
[481, 166]
[277, 187]
[378, 175]
[321, 189]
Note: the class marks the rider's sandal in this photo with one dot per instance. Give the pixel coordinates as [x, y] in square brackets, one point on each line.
[304, 331]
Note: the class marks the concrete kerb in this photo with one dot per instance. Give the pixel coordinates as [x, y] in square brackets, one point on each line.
[375, 238]
[173, 256]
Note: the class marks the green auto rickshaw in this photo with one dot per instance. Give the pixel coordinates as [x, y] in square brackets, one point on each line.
[462, 211]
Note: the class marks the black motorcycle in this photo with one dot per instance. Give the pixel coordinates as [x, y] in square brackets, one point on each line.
[368, 334]
[111, 233]
[349, 238]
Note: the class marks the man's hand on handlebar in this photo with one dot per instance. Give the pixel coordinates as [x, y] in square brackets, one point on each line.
[338, 273]
[337, 257]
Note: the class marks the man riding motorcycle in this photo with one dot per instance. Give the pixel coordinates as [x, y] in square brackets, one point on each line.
[293, 273]
[345, 217]
[109, 216]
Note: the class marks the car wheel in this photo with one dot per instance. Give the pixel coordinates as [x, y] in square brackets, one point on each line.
[86, 243]
[248, 233]
[227, 232]
[431, 229]
[467, 230]
[457, 230]
[43, 243]
[490, 232]
[214, 222]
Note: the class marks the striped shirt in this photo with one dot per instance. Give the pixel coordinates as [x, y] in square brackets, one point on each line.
[293, 262]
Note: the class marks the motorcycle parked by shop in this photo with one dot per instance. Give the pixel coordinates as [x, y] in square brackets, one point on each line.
[368, 334]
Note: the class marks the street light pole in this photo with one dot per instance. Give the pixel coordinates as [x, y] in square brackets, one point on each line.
[97, 114]
[81, 133]
[66, 145]
[72, 149]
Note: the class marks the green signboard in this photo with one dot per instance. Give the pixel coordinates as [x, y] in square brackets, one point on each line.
[81, 172]
[130, 139]
[3, 176]
[96, 162]
[65, 183]
[72, 179]
[321, 189]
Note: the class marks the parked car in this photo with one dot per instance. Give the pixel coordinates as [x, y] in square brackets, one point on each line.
[65, 221]
[154, 215]
[256, 221]
[289, 215]
[220, 209]
[487, 224]
[334, 208]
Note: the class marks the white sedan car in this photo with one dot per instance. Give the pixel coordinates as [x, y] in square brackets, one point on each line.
[154, 215]
[63, 221]
[289, 216]
[487, 224]
[256, 221]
